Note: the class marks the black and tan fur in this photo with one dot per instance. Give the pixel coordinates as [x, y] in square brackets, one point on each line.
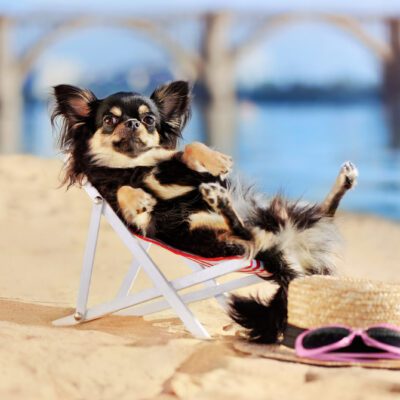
[125, 145]
[132, 161]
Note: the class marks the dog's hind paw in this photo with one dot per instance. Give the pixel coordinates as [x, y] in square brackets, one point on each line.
[348, 175]
[214, 194]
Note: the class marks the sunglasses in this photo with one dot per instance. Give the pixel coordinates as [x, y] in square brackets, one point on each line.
[341, 343]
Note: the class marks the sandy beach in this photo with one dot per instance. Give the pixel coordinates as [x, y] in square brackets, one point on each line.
[43, 229]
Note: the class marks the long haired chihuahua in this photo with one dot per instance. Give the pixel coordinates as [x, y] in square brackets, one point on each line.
[125, 145]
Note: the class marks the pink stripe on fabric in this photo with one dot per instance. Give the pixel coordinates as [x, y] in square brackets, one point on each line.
[183, 253]
[255, 266]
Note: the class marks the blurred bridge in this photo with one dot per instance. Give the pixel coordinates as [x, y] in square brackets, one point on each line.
[213, 64]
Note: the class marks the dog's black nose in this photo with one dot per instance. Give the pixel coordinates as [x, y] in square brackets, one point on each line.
[132, 124]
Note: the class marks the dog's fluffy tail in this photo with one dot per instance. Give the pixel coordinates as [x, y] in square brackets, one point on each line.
[264, 320]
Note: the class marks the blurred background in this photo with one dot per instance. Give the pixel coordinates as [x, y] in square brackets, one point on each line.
[291, 90]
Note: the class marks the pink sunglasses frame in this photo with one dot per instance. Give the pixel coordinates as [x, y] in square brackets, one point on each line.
[326, 353]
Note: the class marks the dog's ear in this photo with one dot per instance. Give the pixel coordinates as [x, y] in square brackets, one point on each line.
[73, 103]
[173, 101]
[74, 106]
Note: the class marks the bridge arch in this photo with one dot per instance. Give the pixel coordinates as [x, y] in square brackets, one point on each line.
[271, 25]
[188, 62]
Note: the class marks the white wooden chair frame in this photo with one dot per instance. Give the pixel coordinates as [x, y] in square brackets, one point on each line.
[132, 304]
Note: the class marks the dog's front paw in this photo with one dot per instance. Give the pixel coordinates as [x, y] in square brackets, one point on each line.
[219, 164]
[214, 194]
[201, 158]
[134, 201]
[348, 175]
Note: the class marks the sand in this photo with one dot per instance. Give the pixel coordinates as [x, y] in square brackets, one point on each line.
[42, 232]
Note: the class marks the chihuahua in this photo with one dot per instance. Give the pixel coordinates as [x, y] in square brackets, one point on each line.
[125, 145]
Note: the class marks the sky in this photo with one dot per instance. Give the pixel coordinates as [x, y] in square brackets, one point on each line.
[143, 6]
[307, 52]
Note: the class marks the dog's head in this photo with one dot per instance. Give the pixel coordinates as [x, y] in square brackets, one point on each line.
[105, 131]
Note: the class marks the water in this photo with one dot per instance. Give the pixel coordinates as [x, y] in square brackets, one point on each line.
[296, 149]
[299, 149]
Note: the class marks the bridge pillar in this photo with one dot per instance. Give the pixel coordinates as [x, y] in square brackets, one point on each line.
[218, 78]
[391, 81]
[10, 94]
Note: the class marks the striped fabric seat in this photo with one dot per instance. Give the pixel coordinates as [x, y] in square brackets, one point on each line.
[255, 267]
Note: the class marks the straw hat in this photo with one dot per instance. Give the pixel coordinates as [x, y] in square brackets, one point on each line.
[324, 300]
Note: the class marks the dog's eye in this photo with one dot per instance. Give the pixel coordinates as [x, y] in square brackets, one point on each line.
[110, 120]
[148, 120]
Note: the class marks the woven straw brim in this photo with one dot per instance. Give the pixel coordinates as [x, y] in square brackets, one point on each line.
[282, 353]
[323, 300]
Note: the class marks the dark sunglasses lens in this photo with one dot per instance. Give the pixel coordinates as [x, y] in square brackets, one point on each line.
[324, 337]
[385, 335]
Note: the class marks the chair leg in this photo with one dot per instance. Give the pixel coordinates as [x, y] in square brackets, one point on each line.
[191, 297]
[133, 304]
[192, 324]
[220, 298]
[130, 277]
[88, 259]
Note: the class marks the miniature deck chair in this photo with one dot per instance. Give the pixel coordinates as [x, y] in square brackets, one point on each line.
[204, 271]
